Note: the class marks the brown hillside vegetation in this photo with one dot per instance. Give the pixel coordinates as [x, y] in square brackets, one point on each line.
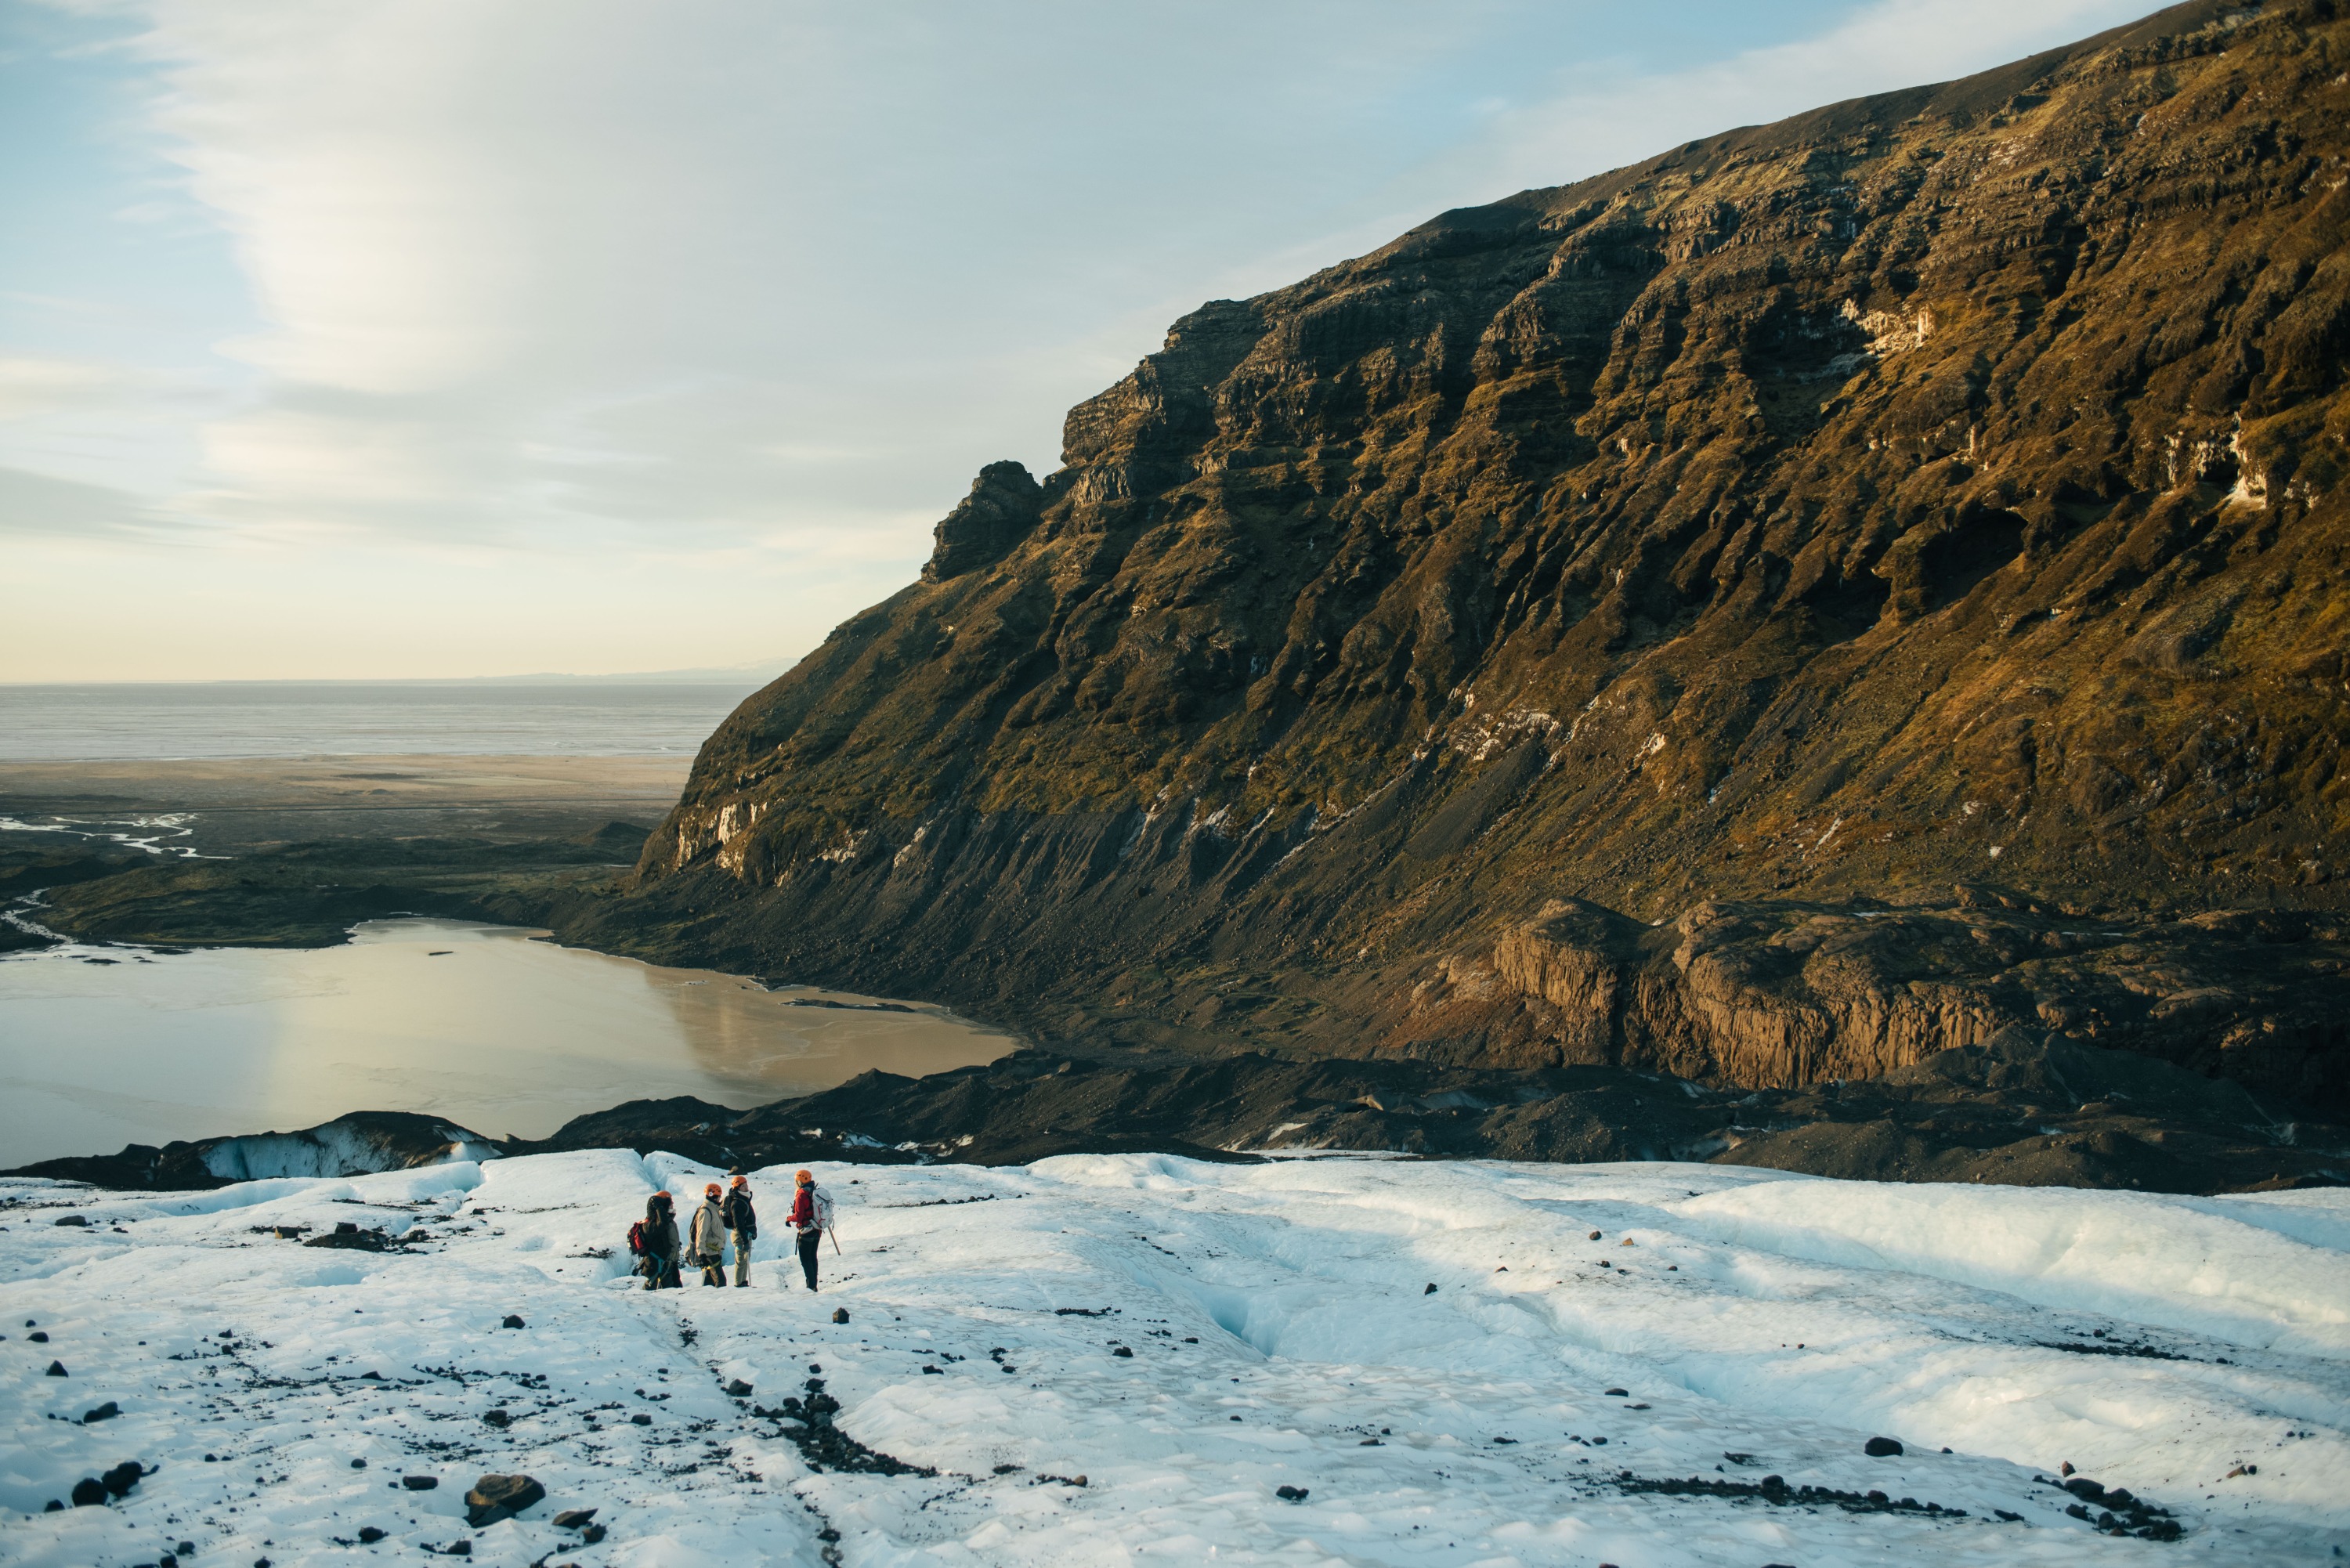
[1824, 596]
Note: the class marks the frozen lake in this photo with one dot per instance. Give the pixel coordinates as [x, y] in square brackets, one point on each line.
[104, 1046]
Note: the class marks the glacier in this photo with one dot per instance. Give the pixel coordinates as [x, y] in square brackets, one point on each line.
[1140, 1358]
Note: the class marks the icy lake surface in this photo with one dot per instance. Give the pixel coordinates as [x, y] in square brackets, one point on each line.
[1431, 1354]
[104, 1046]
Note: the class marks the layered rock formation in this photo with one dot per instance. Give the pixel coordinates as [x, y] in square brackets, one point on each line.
[1542, 639]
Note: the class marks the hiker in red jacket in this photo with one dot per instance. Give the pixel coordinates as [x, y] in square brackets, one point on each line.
[811, 1217]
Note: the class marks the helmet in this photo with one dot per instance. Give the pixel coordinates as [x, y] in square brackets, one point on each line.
[804, 1176]
[662, 1193]
[742, 1181]
[712, 1189]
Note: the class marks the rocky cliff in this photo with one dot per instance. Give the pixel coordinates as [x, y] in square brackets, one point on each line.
[1828, 593]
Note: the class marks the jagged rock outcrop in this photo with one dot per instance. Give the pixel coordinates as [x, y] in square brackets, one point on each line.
[1766, 993]
[1939, 486]
[1004, 504]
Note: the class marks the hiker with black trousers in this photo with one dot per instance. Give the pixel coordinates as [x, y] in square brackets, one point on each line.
[658, 1239]
[811, 1217]
[709, 1238]
[742, 1223]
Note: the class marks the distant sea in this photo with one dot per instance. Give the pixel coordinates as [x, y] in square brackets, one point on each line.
[125, 723]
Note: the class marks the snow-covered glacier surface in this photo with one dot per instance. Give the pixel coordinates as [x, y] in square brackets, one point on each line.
[1283, 1334]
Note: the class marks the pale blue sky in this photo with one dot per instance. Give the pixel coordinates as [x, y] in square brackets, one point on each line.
[464, 337]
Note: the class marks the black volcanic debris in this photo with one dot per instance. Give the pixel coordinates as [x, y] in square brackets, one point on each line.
[2016, 1111]
[1834, 594]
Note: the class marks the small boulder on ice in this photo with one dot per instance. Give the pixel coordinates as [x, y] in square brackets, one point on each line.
[512, 1320]
[1431, 1290]
[1881, 1447]
[39, 1336]
[57, 1369]
[71, 1220]
[497, 1417]
[1291, 1493]
[123, 1477]
[574, 1517]
[840, 1314]
[501, 1497]
[737, 1389]
[420, 1483]
[369, 1535]
[105, 1412]
[89, 1492]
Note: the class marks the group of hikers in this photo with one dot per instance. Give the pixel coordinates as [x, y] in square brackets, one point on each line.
[725, 1218]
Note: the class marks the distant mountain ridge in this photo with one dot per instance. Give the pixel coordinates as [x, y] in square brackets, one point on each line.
[1835, 591]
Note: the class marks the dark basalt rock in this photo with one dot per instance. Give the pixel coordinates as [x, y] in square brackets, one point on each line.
[1002, 507]
[1769, 614]
[1881, 1447]
[494, 1498]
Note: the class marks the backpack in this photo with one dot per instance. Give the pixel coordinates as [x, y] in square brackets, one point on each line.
[637, 1238]
[823, 1210]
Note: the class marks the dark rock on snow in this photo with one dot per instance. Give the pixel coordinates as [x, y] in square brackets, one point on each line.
[420, 1483]
[1881, 1447]
[494, 1498]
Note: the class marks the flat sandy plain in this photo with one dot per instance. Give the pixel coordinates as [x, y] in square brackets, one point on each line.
[261, 800]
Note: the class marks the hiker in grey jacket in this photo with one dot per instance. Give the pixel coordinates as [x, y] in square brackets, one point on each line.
[709, 1241]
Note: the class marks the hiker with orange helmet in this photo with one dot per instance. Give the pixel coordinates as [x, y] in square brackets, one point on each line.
[709, 1241]
[742, 1223]
[811, 1217]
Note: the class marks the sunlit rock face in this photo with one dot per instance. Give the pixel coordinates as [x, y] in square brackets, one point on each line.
[1934, 488]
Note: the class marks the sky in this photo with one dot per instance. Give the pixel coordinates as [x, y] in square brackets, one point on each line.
[455, 337]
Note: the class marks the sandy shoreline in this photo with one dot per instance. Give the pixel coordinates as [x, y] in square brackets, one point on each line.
[342, 783]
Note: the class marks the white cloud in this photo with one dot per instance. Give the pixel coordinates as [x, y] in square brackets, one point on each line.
[31, 386]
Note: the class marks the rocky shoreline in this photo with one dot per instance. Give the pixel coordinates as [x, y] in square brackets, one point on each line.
[2019, 1110]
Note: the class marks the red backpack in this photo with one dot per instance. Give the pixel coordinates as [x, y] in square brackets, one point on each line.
[637, 1238]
